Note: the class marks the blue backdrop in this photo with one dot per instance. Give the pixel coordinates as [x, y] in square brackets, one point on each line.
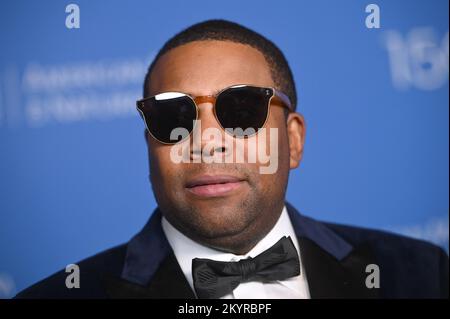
[73, 173]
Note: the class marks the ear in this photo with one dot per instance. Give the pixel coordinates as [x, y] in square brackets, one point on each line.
[296, 135]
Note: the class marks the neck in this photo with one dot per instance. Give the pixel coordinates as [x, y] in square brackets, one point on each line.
[240, 243]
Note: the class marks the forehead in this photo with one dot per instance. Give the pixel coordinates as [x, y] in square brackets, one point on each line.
[206, 67]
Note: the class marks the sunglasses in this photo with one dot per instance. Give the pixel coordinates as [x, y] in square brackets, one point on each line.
[241, 110]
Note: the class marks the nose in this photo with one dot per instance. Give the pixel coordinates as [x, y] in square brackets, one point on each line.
[207, 144]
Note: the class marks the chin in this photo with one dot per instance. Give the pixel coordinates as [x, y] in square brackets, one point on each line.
[215, 223]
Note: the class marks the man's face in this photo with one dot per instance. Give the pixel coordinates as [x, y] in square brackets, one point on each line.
[231, 216]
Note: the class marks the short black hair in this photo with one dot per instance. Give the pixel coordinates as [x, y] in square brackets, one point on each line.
[223, 30]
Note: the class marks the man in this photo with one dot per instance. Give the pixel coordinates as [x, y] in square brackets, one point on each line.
[222, 228]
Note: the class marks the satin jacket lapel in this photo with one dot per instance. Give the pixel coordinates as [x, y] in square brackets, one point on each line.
[334, 268]
[151, 269]
[167, 282]
[329, 277]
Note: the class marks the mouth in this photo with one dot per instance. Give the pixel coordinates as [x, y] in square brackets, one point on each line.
[214, 185]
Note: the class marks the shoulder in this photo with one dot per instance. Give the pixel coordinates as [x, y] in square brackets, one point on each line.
[405, 263]
[387, 242]
[92, 269]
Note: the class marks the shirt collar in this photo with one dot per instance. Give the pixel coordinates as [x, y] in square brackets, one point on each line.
[186, 249]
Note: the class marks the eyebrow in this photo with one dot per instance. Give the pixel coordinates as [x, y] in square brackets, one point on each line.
[219, 90]
[184, 92]
[214, 93]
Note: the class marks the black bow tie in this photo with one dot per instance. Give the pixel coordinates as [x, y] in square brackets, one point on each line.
[214, 279]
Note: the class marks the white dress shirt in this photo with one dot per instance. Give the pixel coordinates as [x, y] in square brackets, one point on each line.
[186, 249]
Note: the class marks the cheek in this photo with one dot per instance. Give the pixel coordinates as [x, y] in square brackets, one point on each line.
[162, 170]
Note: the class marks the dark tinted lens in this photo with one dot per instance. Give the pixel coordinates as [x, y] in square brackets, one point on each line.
[243, 110]
[163, 116]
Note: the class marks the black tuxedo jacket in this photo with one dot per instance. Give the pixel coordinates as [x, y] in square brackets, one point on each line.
[335, 258]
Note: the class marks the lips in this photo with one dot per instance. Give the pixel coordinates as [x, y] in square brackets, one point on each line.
[213, 185]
